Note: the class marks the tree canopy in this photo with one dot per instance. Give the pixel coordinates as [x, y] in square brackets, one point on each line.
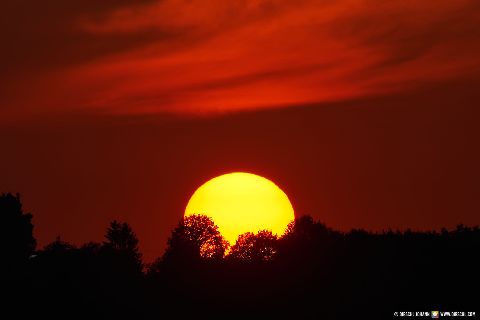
[197, 236]
[16, 237]
[255, 247]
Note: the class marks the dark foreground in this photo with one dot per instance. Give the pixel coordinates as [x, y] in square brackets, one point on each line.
[311, 272]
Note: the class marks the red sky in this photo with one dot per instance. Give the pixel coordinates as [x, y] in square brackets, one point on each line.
[364, 111]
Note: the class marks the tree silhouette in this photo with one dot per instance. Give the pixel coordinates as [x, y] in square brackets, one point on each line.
[58, 247]
[196, 236]
[16, 237]
[255, 247]
[305, 229]
[311, 270]
[121, 237]
[122, 243]
[306, 237]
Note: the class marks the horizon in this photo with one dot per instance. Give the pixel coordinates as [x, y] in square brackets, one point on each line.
[149, 259]
[196, 216]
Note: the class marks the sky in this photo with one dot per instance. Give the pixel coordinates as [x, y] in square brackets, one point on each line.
[363, 111]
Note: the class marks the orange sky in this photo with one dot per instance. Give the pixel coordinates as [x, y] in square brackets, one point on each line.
[219, 56]
[365, 112]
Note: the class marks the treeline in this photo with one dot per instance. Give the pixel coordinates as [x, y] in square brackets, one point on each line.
[309, 272]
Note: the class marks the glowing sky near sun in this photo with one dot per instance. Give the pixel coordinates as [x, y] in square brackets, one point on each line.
[206, 56]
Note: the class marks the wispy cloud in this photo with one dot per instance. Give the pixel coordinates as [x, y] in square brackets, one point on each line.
[213, 55]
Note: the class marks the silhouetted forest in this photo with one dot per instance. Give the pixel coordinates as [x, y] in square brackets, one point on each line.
[310, 272]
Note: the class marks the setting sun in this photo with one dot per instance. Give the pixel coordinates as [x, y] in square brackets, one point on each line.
[242, 202]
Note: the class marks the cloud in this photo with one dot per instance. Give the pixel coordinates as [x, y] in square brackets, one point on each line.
[212, 55]
[45, 34]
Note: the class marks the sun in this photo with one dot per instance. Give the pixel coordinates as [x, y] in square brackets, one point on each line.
[242, 202]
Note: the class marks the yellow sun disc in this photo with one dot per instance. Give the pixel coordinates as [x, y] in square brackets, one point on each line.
[242, 202]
